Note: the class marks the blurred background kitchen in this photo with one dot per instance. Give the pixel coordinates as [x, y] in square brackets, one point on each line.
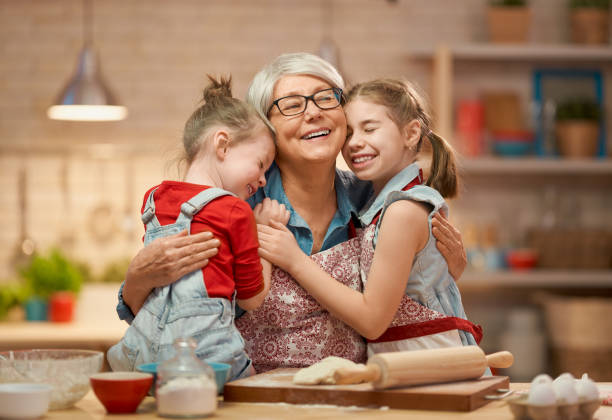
[521, 91]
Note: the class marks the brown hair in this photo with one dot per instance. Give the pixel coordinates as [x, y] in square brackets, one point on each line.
[219, 108]
[404, 104]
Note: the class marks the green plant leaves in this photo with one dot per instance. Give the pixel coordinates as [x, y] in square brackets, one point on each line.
[578, 109]
[595, 4]
[47, 274]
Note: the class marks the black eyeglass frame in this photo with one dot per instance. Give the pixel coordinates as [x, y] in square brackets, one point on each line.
[336, 90]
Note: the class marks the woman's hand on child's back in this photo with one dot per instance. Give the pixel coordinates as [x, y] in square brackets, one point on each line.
[164, 261]
[450, 245]
[167, 259]
[278, 245]
[271, 210]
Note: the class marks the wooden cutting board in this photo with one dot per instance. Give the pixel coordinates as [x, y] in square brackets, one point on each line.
[276, 386]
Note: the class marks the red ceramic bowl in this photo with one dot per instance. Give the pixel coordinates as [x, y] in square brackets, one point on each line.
[522, 259]
[121, 392]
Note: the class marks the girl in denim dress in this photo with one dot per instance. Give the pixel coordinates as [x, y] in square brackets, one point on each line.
[228, 149]
[409, 301]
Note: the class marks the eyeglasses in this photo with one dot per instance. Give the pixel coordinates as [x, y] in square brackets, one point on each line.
[296, 104]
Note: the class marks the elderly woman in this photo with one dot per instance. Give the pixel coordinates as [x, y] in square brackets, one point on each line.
[301, 97]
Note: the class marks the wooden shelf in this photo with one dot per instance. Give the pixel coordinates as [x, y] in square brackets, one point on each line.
[443, 57]
[538, 279]
[530, 52]
[533, 165]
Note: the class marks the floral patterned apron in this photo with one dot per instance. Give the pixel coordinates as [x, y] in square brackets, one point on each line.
[291, 329]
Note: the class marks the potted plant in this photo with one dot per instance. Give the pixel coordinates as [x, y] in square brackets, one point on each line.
[55, 280]
[590, 21]
[12, 295]
[577, 127]
[508, 21]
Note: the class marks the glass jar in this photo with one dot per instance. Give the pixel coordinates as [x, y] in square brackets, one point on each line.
[185, 384]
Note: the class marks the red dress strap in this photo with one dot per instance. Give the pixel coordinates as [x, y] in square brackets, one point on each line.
[418, 180]
[433, 326]
[352, 231]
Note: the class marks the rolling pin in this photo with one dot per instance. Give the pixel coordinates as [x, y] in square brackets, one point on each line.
[418, 367]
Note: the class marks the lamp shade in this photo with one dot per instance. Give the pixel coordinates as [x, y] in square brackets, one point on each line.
[86, 97]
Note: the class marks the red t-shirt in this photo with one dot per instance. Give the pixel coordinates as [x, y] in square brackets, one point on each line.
[231, 221]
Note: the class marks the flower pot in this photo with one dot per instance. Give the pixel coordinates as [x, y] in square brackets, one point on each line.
[508, 24]
[35, 309]
[590, 26]
[61, 307]
[577, 138]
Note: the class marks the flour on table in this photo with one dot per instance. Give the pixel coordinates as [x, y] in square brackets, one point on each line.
[321, 372]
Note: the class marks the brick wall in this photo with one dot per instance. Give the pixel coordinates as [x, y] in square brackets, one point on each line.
[155, 55]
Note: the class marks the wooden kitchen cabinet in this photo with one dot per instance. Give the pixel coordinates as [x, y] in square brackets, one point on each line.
[464, 65]
[595, 175]
[445, 59]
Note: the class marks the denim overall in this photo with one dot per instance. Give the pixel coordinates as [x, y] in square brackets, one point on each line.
[182, 309]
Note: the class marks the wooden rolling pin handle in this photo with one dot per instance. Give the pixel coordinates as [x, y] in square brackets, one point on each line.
[501, 359]
[357, 374]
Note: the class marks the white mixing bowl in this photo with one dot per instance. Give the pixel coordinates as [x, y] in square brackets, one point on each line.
[67, 371]
[24, 400]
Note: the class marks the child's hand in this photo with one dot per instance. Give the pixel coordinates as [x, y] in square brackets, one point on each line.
[271, 210]
[278, 245]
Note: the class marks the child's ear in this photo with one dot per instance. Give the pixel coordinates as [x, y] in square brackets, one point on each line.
[412, 134]
[221, 143]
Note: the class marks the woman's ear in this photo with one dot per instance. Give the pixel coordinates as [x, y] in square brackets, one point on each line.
[412, 134]
[221, 143]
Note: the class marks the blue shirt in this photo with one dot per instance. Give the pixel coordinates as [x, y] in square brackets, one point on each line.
[351, 195]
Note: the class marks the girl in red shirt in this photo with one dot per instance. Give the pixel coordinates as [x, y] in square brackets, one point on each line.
[228, 149]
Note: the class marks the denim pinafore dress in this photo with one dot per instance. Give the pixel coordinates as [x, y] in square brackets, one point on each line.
[432, 302]
[181, 309]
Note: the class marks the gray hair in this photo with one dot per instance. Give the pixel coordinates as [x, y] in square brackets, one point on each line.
[260, 91]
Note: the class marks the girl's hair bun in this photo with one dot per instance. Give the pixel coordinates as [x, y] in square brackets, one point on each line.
[217, 89]
[219, 109]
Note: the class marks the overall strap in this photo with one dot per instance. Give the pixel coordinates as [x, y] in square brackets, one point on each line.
[190, 207]
[148, 215]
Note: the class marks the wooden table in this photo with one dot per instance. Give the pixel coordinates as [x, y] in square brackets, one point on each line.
[96, 325]
[77, 335]
[82, 335]
[90, 408]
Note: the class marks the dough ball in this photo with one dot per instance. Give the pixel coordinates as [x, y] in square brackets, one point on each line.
[321, 372]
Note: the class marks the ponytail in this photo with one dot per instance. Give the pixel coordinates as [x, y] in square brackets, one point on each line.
[443, 171]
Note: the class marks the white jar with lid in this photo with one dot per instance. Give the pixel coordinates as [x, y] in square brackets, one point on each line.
[185, 384]
[525, 339]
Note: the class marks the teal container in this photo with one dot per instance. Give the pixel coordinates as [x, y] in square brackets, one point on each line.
[221, 374]
[36, 309]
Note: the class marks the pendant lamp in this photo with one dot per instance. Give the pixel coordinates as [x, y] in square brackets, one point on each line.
[86, 97]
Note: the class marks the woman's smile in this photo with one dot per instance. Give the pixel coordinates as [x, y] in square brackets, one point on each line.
[317, 134]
